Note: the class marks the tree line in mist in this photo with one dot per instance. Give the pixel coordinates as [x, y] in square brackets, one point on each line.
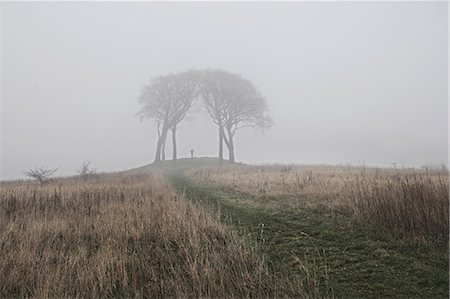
[231, 101]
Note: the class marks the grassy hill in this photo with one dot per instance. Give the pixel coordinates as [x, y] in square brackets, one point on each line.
[179, 164]
[198, 228]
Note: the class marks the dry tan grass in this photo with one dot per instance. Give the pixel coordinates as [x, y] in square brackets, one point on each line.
[411, 204]
[122, 236]
[292, 186]
[408, 203]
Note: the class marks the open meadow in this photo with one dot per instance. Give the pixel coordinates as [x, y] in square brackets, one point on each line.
[122, 236]
[221, 149]
[198, 229]
[410, 204]
[354, 231]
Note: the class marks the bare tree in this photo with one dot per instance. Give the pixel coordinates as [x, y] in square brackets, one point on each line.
[86, 171]
[156, 107]
[40, 173]
[167, 99]
[233, 103]
[213, 92]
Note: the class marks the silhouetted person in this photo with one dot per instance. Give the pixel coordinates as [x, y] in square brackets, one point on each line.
[192, 153]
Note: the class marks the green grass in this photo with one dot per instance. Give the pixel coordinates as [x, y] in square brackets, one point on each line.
[345, 259]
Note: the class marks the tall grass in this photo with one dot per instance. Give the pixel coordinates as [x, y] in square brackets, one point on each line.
[412, 205]
[123, 237]
[408, 204]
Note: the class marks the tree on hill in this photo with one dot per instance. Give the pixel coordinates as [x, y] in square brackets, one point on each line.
[167, 99]
[232, 102]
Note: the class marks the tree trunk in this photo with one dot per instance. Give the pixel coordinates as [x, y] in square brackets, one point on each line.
[230, 145]
[159, 144]
[174, 143]
[231, 150]
[158, 151]
[220, 144]
[163, 149]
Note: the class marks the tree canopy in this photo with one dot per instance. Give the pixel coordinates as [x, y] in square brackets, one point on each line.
[231, 101]
[167, 99]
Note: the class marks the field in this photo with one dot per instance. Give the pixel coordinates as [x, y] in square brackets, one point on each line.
[198, 229]
[404, 203]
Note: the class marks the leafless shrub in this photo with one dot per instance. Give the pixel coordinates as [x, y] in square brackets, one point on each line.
[41, 173]
[86, 171]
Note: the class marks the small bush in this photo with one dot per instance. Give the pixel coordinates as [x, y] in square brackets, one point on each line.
[86, 171]
[41, 174]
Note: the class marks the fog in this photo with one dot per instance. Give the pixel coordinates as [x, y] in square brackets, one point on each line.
[345, 82]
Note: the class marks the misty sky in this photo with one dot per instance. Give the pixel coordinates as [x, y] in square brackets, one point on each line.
[345, 82]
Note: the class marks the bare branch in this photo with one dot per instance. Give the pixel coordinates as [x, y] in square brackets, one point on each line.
[40, 173]
[85, 171]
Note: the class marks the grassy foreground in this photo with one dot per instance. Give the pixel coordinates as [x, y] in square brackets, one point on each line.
[333, 252]
[227, 231]
[123, 236]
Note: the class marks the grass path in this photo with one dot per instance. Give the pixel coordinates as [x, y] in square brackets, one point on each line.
[345, 261]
